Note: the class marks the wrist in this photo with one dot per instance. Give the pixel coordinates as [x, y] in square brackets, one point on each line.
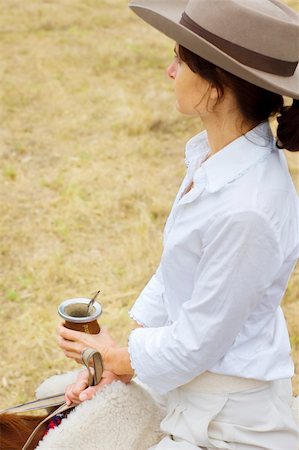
[118, 361]
[110, 360]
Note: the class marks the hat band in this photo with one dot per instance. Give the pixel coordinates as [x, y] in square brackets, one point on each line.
[248, 57]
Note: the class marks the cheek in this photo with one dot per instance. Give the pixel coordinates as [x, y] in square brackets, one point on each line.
[189, 96]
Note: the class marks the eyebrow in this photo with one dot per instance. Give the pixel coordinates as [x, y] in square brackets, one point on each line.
[175, 51]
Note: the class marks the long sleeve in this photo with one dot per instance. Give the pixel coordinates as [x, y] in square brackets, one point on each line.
[149, 309]
[240, 257]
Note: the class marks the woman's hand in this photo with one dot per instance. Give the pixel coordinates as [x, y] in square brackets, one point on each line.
[74, 342]
[79, 391]
[115, 359]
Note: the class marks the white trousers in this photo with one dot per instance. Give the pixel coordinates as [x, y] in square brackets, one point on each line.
[222, 412]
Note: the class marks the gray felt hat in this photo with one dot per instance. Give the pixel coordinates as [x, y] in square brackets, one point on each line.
[257, 40]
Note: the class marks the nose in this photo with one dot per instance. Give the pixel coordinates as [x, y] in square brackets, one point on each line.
[171, 70]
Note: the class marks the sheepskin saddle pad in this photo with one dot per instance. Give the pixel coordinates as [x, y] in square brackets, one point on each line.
[119, 417]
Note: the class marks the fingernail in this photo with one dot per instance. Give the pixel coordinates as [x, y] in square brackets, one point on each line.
[83, 397]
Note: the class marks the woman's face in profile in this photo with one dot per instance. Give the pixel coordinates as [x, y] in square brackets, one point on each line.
[191, 89]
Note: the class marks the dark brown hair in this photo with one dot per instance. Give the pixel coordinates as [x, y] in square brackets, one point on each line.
[255, 103]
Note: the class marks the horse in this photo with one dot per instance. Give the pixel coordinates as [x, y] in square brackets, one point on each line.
[15, 429]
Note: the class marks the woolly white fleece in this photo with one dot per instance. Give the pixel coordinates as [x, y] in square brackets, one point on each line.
[120, 417]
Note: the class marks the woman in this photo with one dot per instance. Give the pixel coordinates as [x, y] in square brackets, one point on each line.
[211, 336]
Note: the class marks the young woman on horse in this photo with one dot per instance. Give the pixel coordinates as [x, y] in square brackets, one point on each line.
[211, 337]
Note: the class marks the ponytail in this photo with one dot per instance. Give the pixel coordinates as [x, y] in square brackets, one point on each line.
[288, 127]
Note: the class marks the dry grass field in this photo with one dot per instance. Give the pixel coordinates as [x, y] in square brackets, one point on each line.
[92, 153]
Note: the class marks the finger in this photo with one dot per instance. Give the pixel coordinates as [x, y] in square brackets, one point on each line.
[61, 325]
[67, 400]
[79, 387]
[84, 375]
[70, 397]
[68, 334]
[73, 390]
[89, 393]
[73, 355]
[70, 346]
[81, 380]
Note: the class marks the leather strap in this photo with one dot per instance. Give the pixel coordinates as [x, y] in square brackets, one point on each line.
[89, 356]
[43, 403]
[60, 409]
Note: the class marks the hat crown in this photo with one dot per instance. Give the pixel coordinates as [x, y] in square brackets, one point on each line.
[243, 22]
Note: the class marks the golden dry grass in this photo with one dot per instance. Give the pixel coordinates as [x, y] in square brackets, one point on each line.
[91, 157]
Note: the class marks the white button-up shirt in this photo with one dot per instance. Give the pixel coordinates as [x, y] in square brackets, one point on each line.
[230, 245]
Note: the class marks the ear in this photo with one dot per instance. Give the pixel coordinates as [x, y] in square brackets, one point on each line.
[213, 97]
[214, 94]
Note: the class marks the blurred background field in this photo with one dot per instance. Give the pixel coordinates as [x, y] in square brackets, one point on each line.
[92, 153]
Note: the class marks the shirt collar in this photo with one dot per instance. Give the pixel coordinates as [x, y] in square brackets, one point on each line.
[197, 148]
[231, 162]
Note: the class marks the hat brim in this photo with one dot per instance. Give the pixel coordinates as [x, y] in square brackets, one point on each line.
[166, 16]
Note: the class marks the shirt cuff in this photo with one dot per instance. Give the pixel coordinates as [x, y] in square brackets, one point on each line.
[148, 363]
[137, 318]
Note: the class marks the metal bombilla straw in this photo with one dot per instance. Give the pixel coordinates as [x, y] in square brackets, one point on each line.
[89, 306]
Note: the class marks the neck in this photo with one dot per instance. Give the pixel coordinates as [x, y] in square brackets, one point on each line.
[222, 130]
